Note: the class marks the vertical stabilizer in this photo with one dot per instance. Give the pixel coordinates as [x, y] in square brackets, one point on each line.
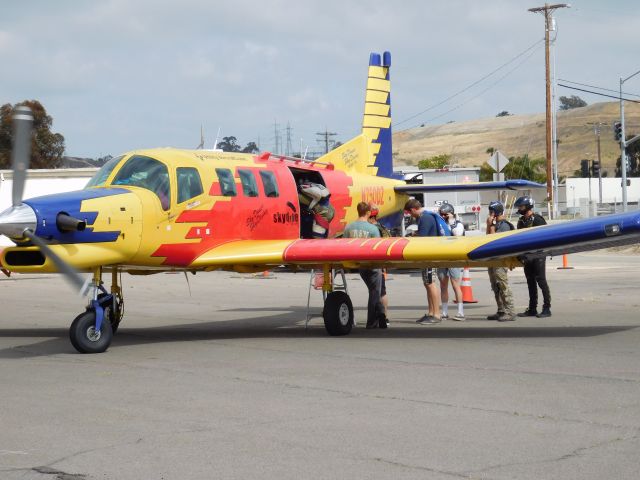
[376, 124]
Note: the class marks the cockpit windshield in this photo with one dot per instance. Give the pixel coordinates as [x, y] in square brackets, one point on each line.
[146, 172]
[100, 178]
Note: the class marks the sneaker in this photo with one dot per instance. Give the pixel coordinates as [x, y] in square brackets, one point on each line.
[383, 322]
[371, 325]
[459, 317]
[505, 317]
[546, 312]
[430, 320]
[529, 313]
[423, 318]
[495, 316]
[444, 316]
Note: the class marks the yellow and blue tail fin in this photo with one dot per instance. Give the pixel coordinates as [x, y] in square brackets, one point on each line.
[376, 123]
[371, 151]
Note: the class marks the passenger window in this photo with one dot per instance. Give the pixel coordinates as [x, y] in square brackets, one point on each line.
[145, 172]
[227, 184]
[249, 185]
[269, 183]
[189, 183]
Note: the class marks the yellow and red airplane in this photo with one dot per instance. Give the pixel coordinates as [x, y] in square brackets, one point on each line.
[165, 209]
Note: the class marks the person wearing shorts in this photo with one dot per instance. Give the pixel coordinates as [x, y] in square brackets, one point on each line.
[453, 275]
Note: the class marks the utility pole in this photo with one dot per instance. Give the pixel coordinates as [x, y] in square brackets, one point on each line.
[624, 144]
[547, 10]
[326, 134]
[597, 131]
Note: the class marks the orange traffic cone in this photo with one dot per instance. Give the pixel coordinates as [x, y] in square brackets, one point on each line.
[565, 263]
[465, 286]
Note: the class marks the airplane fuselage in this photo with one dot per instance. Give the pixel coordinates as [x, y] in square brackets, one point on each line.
[167, 207]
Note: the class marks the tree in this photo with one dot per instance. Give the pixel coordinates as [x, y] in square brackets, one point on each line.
[47, 148]
[251, 148]
[633, 160]
[504, 113]
[439, 161]
[229, 144]
[567, 103]
[518, 168]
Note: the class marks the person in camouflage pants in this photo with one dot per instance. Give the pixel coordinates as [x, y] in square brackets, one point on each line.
[498, 276]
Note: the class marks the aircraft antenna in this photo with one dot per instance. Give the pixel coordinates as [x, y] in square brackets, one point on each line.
[201, 146]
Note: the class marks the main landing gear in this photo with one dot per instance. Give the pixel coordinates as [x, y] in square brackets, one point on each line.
[93, 330]
[338, 310]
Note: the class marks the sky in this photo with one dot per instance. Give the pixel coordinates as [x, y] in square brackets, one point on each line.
[119, 75]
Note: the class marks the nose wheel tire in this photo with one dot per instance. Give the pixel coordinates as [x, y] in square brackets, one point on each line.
[338, 314]
[84, 336]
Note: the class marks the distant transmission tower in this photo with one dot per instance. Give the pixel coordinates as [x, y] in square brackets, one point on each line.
[288, 149]
[276, 132]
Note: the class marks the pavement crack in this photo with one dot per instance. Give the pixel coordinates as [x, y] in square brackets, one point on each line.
[576, 453]
[60, 475]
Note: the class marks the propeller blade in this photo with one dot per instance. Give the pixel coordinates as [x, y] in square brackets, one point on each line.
[72, 276]
[21, 153]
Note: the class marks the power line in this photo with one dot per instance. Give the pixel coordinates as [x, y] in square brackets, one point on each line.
[471, 85]
[478, 94]
[599, 88]
[598, 93]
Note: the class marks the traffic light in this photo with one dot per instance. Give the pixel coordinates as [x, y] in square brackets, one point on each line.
[595, 168]
[617, 131]
[584, 168]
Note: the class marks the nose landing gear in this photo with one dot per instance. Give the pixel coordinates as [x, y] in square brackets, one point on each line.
[92, 331]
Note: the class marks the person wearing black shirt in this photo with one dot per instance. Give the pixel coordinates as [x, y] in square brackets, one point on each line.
[534, 269]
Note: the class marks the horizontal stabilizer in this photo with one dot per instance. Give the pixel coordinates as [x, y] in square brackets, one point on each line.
[459, 187]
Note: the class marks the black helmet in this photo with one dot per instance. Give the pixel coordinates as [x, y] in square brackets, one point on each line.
[446, 208]
[496, 207]
[524, 204]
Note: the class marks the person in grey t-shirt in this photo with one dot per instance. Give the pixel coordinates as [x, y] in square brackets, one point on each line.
[361, 228]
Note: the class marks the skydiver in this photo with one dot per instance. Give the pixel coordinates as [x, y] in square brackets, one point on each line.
[534, 269]
[498, 276]
[314, 197]
[447, 212]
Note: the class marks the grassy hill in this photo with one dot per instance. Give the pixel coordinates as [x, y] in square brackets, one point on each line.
[467, 142]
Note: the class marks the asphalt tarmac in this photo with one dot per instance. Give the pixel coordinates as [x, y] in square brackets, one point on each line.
[225, 382]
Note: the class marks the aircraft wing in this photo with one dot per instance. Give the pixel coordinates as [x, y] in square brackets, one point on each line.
[457, 187]
[506, 249]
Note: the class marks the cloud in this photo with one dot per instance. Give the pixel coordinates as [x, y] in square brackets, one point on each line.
[117, 74]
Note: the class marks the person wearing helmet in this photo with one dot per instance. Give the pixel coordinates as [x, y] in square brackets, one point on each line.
[447, 212]
[535, 269]
[498, 276]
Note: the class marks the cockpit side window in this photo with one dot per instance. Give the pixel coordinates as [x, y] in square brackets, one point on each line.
[100, 178]
[189, 183]
[149, 173]
[227, 184]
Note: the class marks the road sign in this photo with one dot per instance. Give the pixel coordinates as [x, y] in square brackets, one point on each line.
[498, 161]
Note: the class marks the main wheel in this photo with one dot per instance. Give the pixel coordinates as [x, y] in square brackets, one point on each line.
[84, 336]
[338, 314]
